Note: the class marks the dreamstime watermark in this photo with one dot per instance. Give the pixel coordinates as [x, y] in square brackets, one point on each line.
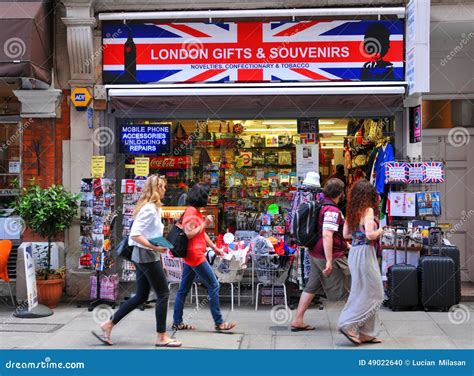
[281, 314]
[108, 38]
[370, 47]
[459, 314]
[102, 313]
[466, 38]
[189, 140]
[14, 137]
[103, 137]
[47, 363]
[14, 226]
[458, 137]
[14, 48]
[466, 216]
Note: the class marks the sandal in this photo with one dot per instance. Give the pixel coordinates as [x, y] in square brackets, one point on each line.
[170, 343]
[104, 338]
[350, 337]
[182, 326]
[372, 340]
[226, 326]
[302, 328]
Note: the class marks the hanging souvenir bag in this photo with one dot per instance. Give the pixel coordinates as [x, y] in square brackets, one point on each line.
[258, 159]
[224, 139]
[181, 141]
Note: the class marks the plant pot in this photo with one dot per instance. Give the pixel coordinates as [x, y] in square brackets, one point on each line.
[49, 291]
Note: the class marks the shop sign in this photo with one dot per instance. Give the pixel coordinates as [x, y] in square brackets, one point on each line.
[145, 138]
[270, 51]
[97, 166]
[170, 163]
[30, 276]
[80, 98]
[142, 166]
[415, 124]
[9, 192]
[414, 172]
[418, 46]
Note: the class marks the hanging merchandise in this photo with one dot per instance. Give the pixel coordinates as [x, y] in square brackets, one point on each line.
[396, 172]
[271, 141]
[257, 141]
[428, 203]
[415, 173]
[224, 139]
[402, 204]
[384, 154]
[181, 141]
[433, 172]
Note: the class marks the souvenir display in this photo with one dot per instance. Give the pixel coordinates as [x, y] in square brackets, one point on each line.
[428, 203]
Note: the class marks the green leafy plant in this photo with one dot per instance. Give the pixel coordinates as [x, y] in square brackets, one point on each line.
[47, 212]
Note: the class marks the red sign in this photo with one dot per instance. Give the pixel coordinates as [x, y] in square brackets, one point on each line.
[309, 50]
[170, 163]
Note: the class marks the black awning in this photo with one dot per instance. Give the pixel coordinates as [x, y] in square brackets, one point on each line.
[26, 39]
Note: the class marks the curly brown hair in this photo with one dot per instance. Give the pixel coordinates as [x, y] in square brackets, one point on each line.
[361, 197]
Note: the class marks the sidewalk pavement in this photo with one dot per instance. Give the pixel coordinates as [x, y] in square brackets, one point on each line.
[70, 327]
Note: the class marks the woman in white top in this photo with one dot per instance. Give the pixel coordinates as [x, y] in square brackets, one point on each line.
[146, 257]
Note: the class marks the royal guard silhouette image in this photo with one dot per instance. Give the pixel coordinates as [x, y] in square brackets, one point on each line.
[376, 46]
[130, 59]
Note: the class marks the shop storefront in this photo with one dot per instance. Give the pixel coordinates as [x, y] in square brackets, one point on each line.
[249, 107]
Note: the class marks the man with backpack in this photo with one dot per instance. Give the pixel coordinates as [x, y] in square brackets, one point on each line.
[329, 268]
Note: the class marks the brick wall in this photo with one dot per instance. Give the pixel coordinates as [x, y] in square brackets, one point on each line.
[42, 154]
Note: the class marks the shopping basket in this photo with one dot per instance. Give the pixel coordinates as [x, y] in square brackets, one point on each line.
[272, 269]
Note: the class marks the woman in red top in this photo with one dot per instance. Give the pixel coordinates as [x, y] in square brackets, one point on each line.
[195, 262]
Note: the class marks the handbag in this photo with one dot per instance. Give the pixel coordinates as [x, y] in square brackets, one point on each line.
[123, 249]
[178, 238]
[109, 287]
[284, 158]
[270, 158]
[181, 141]
[224, 139]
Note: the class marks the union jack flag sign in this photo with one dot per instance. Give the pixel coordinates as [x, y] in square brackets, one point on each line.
[433, 172]
[334, 50]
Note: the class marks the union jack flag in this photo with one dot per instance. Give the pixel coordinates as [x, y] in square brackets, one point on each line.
[335, 50]
[433, 172]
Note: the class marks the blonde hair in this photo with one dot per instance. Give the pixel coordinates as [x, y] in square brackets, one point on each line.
[153, 192]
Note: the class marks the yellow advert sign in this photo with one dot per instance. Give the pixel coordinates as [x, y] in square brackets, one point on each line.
[142, 166]
[97, 166]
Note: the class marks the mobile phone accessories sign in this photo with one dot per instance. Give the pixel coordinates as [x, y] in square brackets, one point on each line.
[329, 50]
[145, 138]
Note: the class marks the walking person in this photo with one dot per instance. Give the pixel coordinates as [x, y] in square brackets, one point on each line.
[359, 320]
[147, 224]
[329, 271]
[195, 262]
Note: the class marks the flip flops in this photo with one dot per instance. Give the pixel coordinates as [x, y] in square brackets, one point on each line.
[182, 326]
[351, 338]
[105, 339]
[372, 341]
[227, 326]
[170, 343]
[302, 328]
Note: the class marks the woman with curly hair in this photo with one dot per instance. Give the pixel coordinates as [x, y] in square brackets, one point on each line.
[359, 318]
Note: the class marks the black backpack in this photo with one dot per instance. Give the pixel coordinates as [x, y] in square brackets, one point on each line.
[305, 223]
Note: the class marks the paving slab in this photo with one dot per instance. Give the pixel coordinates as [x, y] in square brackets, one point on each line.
[413, 328]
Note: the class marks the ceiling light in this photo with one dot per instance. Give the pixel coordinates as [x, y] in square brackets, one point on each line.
[326, 122]
[282, 122]
[270, 129]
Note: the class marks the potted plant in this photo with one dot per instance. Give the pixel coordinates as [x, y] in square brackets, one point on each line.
[47, 212]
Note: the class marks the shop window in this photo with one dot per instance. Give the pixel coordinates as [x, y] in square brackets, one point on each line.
[254, 163]
[447, 113]
[10, 164]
